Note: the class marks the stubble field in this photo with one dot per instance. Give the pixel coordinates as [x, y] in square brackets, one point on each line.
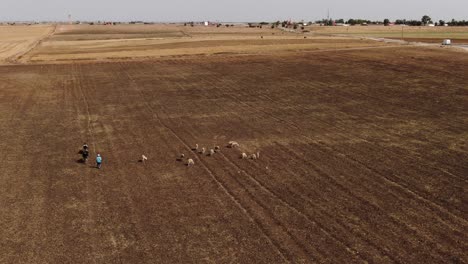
[16, 41]
[362, 158]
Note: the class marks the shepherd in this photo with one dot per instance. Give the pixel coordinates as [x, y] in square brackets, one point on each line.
[85, 155]
[98, 161]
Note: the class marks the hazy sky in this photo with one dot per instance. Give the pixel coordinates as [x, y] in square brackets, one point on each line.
[229, 10]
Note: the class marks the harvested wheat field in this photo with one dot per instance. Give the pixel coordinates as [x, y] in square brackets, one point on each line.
[362, 158]
[91, 43]
[458, 35]
[16, 41]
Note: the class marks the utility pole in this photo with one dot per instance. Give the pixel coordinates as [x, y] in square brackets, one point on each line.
[402, 28]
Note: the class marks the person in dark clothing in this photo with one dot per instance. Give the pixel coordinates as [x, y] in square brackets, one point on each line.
[85, 155]
[85, 147]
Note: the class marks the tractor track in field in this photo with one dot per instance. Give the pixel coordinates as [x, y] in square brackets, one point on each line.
[253, 107]
[89, 126]
[309, 139]
[227, 191]
[421, 236]
[288, 205]
[250, 107]
[364, 174]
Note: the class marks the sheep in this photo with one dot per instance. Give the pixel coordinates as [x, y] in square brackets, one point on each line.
[233, 144]
[253, 156]
[181, 157]
[211, 153]
[217, 148]
[196, 147]
[258, 154]
[143, 158]
[202, 151]
[243, 156]
[190, 162]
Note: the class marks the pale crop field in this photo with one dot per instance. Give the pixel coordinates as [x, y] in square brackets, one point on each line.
[17, 40]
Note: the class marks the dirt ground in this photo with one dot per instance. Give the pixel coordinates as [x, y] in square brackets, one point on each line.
[362, 159]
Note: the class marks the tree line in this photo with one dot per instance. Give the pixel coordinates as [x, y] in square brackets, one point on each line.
[425, 20]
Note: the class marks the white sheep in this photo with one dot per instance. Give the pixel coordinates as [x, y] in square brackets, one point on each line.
[233, 144]
[243, 156]
[143, 158]
[182, 156]
[258, 154]
[190, 162]
[217, 148]
[202, 151]
[196, 147]
[253, 156]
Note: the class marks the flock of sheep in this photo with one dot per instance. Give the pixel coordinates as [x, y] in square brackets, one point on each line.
[211, 152]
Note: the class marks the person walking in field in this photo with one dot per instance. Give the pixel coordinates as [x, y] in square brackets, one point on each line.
[98, 161]
[85, 147]
[85, 154]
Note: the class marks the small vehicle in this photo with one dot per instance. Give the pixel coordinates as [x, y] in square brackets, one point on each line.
[446, 42]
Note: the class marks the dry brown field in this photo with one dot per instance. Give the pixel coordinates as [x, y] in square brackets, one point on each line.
[17, 40]
[459, 35]
[363, 155]
[88, 43]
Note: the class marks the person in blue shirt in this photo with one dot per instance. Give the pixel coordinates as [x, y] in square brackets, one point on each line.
[98, 161]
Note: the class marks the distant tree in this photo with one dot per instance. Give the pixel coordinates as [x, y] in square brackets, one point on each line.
[426, 19]
[295, 26]
[400, 22]
[386, 22]
[441, 22]
[341, 21]
[458, 23]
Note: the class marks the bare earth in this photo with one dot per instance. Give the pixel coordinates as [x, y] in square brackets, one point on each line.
[363, 150]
